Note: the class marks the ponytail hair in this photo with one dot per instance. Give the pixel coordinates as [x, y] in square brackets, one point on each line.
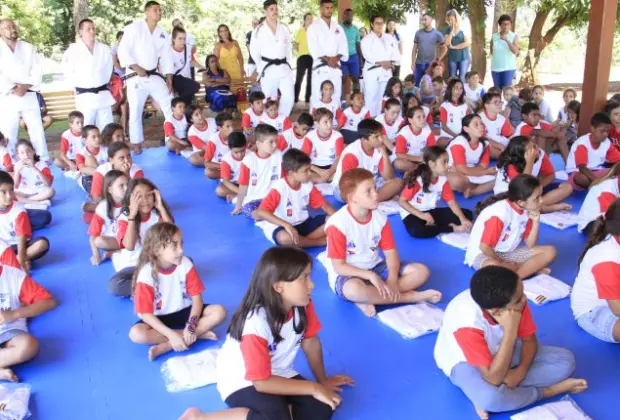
[513, 154]
[614, 172]
[520, 189]
[431, 154]
[607, 224]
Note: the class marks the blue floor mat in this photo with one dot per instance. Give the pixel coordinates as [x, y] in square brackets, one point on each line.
[88, 368]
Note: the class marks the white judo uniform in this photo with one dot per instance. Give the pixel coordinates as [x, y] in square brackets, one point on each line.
[375, 49]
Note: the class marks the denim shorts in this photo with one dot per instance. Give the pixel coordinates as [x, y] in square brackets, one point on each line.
[518, 256]
[305, 228]
[381, 269]
[248, 208]
[599, 322]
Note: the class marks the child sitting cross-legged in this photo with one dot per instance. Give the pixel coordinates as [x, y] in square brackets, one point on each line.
[217, 145]
[93, 154]
[284, 209]
[294, 137]
[545, 135]
[71, 142]
[167, 296]
[33, 178]
[175, 129]
[324, 146]
[355, 234]
[488, 348]
[274, 118]
[412, 139]
[199, 134]
[352, 116]
[230, 166]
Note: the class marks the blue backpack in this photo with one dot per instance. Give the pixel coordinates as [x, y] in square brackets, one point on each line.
[220, 98]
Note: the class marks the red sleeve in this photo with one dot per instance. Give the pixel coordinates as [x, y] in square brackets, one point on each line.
[316, 199]
[96, 225]
[306, 147]
[381, 166]
[507, 130]
[255, 351]
[64, 145]
[605, 200]
[341, 118]
[314, 325]
[193, 284]
[48, 175]
[386, 242]
[196, 142]
[349, 161]
[512, 172]
[409, 192]
[287, 124]
[271, 201]
[458, 155]
[401, 145]
[209, 151]
[367, 115]
[282, 145]
[22, 225]
[581, 155]
[168, 129]
[526, 130]
[79, 159]
[143, 298]
[443, 115]
[244, 175]
[32, 292]
[225, 170]
[431, 140]
[336, 243]
[546, 167]
[120, 234]
[384, 131]
[246, 121]
[339, 146]
[139, 175]
[545, 126]
[7, 162]
[429, 118]
[446, 192]
[607, 279]
[492, 231]
[528, 229]
[474, 346]
[486, 156]
[527, 327]
[96, 189]
[9, 258]
[613, 155]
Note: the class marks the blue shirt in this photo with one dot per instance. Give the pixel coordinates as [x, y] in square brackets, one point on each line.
[353, 37]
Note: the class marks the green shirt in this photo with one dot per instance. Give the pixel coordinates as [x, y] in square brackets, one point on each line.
[353, 37]
[459, 38]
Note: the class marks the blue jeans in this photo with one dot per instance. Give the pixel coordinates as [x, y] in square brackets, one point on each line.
[420, 69]
[600, 323]
[502, 79]
[551, 365]
[459, 67]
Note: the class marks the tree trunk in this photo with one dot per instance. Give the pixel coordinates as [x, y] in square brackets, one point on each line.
[497, 12]
[537, 43]
[477, 19]
[80, 11]
[423, 8]
[441, 7]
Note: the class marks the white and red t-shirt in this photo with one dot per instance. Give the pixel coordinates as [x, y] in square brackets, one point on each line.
[502, 226]
[17, 290]
[425, 201]
[7, 256]
[280, 122]
[498, 129]
[125, 257]
[598, 279]
[96, 190]
[524, 129]
[290, 204]
[14, 222]
[171, 292]
[583, 152]
[358, 241]
[250, 119]
[473, 94]
[542, 167]
[323, 151]
[71, 143]
[176, 127]
[386, 98]
[217, 148]
[461, 152]
[452, 116]
[469, 334]
[354, 156]
[349, 119]
[100, 155]
[411, 143]
[333, 106]
[6, 162]
[259, 174]
[257, 356]
[598, 200]
[101, 224]
[293, 141]
[198, 136]
[390, 130]
[31, 181]
[230, 168]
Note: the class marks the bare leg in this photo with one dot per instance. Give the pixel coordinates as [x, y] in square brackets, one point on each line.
[570, 385]
[458, 182]
[47, 121]
[232, 414]
[389, 189]
[17, 350]
[285, 239]
[478, 189]
[582, 180]
[552, 201]
[404, 165]
[107, 243]
[197, 159]
[545, 254]
[61, 163]
[39, 247]
[212, 173]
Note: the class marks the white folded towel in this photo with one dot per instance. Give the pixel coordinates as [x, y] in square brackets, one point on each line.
[325, 189]
[72, 174]
[14, 400]
[561, 175]
[182, 373]
[565, 409]
[482, 179]
[412, 321]
[458, 240]
[543, 288]
[560, 219]
[389, 207]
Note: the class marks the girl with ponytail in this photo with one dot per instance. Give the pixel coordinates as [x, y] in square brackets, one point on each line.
[595, 298]
[504, 221]
[602, 193]
[424, 187]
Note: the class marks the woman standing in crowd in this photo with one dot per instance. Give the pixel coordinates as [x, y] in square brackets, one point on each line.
[391, 29]
[229, 54]
[458, 45]
[304, 59]
[504, 50]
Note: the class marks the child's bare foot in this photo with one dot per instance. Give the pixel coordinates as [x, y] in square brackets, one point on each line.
[467, 192]
[230, 198]
[430, 295]
[545, 270]
[570, 385]
[106, 255]
[458, 228]
[190, 414]
[368, 309]
[482, 414]
[209, 335]
[159, 349]
[8, 375]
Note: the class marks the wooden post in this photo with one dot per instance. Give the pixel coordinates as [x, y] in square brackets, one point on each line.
[598, 60]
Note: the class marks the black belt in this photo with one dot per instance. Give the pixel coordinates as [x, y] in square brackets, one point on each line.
[376, 66]
[323, 63]
[95, 90]
[148, 73]
[273, 62]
